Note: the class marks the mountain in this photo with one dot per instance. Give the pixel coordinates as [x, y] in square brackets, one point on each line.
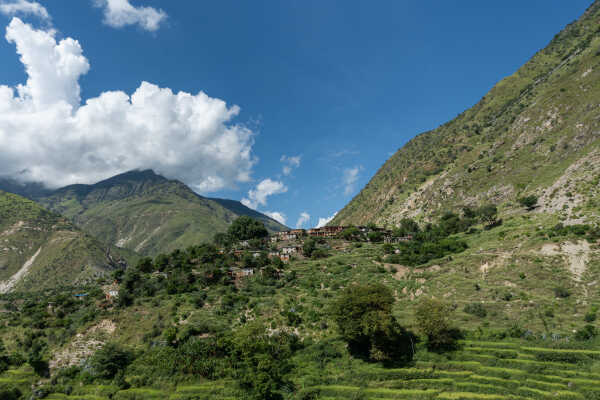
[40, 249]
[240, 209]
[147, 213]
[535, 133]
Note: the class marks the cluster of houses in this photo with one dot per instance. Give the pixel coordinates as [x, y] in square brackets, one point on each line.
[287, 244]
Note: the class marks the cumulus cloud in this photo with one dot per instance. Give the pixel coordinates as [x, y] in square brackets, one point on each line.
[349, 179]
[263, 190]
[289, 163]
[24, 7]
[277, 216]
[120, 13]
[46, 135]
[324, 221]
[303, 220]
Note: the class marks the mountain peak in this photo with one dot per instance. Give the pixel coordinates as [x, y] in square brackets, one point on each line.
[135, 175]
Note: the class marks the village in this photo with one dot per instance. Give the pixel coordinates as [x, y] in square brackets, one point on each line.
[287, 245]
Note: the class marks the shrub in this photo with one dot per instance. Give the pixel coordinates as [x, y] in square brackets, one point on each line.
[561, 292]
[588, 332]
[529, 202]
[590, 316]
[375, 237]
[476, 309]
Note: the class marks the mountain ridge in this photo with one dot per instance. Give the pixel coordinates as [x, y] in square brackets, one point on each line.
[519, 139]
[146, 212]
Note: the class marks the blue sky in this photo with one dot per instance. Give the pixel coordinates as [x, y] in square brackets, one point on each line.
[342, 85]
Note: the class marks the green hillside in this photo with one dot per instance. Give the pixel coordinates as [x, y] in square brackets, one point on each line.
[40, 249]
[147, 213]
[535, 133]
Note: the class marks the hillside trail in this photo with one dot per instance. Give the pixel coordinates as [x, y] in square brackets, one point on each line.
[6, 286]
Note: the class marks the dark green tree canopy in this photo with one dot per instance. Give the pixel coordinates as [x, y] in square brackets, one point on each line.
[363, 314]
[246, 228]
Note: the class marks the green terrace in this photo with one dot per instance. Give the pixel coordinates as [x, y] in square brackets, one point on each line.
[478, 370]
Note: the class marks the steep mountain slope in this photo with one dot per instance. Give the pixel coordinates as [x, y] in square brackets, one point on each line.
[240, 209]
[40, 249]
[146, 213]
[535, 133]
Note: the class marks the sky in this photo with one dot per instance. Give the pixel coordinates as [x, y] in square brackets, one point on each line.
[289, 106]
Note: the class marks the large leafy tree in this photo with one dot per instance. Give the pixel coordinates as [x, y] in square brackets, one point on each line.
[433, 317]
[363, 314]
[261, 360]
[246, 228]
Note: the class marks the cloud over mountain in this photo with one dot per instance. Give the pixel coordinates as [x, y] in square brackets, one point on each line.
[48, 135]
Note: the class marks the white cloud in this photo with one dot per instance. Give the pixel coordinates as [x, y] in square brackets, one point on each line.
[120, 13]
[303, 220]
[24, 7]
[289, 163]
[263, 190]
[47, 135]
[324, 221]
[349, 179]
[277, 216]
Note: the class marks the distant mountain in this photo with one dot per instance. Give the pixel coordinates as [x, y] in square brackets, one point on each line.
[147, 213]
[240, 209]
[40, 249]
[536, 132]
[30, 190]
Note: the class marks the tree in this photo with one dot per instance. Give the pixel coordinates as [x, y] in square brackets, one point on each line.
[261, 360]
[363, 314]
[222, 239]
[407, 227]
[246, 228]
[433, 318]
[529, 202]
[109, 360]
[308, 247]
[35, 358]
[4, 358]
[350, 233]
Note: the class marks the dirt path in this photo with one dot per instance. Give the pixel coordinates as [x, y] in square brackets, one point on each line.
[6, 286]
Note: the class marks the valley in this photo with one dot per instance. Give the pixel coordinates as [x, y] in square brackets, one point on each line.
[467, 268]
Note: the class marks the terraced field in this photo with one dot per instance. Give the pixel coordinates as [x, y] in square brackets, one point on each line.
[483, 370]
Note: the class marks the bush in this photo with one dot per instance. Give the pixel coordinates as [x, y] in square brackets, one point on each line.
[590, 316]
[375, 237]
[10, 394]
[529, 202]
[476, 309]
[588, 332]
[561, 292]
